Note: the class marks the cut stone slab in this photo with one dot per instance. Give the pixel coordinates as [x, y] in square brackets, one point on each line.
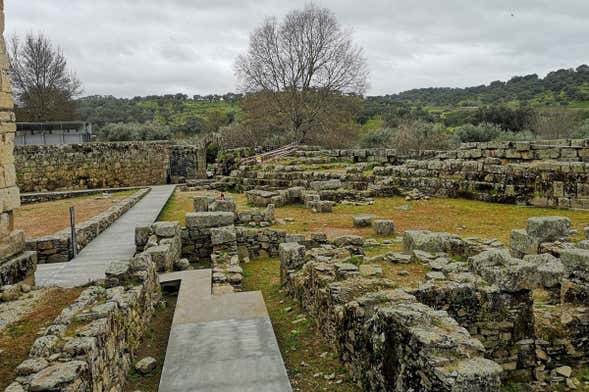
[206, 220]
[548, 228]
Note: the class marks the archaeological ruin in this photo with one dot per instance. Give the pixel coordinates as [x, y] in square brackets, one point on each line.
[297, 269]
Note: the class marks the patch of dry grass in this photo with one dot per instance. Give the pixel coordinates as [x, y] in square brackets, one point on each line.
[41, 219]
[17, 338]
[463, 217]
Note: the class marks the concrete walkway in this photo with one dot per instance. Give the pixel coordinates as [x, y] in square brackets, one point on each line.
[221, 343]
[115, 243]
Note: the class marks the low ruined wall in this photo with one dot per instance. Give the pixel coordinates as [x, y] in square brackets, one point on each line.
[551, 173]
[17, 268]
[92, 344]
[30, 198]
[56, 248]
[565, 150]
[539, 183]
[91, 165]
[384, 336]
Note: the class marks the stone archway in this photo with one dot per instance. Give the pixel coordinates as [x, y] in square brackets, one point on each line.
[201, 153]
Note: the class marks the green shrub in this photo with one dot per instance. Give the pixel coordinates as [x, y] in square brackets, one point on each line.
[483, 132]
[583, 130]
[515, 136]
[134, 131]
[377, 138]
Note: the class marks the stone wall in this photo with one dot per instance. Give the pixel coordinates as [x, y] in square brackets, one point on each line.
[91, 345]
[91, 165]
[30, 198]
[14, 265]
[565, 150]
[183, 163]
[56, 248]
[384, 336]
[542, 173]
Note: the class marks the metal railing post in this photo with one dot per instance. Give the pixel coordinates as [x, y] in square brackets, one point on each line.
[73, 238]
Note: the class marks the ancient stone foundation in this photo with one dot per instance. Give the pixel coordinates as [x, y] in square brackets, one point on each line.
[553, 173]
[384, 336]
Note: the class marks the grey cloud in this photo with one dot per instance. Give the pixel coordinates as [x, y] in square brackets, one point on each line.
[139, 47]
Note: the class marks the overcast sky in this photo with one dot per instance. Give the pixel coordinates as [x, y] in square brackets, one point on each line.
[141, 47]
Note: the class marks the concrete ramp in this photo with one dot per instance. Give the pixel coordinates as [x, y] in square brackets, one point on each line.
[116, 243]
[221, 343]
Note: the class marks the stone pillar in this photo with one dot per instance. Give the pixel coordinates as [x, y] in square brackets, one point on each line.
[11, 242]
[201, 165]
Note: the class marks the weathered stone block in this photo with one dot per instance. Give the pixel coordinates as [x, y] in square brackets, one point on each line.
[384, 227]
[362, 221]
[548, 228]
[292, 258]
[523, 244]
[166, 229]
[223, 235]
[204, 220]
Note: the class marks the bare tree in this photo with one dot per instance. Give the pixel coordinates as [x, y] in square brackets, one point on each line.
[302, 64]
[554, 123]
[43, 87]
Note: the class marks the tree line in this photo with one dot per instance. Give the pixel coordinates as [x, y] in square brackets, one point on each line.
[302, 78]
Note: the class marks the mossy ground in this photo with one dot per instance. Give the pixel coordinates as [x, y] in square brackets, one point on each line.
[17, 338]
[153, 344]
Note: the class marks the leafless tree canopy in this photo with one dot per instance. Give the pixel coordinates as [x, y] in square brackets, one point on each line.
[303, 62]
[43, 86]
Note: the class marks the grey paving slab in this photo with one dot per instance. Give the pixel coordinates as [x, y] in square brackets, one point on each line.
[117, 242]
[220, 343]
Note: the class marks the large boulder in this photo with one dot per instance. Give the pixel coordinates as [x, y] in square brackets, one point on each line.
[523, 244]
[549, 270]
[226, 205]
[201, 203]
[362, 221]
[575, 259]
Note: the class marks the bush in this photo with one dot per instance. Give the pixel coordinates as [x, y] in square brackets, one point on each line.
[583, 130]
[418, 136]
[134, 131]
[483, 132]
[377, 138]
[515, 136]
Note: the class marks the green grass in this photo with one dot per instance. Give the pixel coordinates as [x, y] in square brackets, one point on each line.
[307, 358]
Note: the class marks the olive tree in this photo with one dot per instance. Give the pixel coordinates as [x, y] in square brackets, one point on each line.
[302, 66]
